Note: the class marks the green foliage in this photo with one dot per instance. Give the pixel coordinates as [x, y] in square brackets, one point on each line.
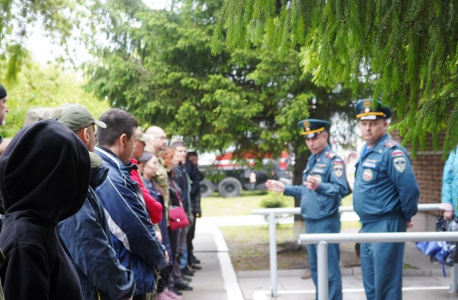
[407, 48]
[45, 87]
[275, 200]
[56, 18]
[159, 66]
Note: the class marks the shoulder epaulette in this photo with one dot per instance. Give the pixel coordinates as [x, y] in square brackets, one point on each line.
[390, 143]
[330, 154]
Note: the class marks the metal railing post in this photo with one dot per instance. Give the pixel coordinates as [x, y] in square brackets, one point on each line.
[323, 289]
[273, 254]
[271, 212]
[453, 276]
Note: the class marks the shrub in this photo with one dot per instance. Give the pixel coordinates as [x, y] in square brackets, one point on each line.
[274, 200]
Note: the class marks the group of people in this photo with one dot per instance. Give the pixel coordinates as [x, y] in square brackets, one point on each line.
[96, 209]
[385, 197]
[99, 209]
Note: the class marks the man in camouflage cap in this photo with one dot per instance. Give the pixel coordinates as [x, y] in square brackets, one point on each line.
[86, 236]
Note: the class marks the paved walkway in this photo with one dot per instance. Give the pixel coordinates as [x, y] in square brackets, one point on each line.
[218, 281]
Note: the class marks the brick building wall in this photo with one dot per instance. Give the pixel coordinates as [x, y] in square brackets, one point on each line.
[428, 167]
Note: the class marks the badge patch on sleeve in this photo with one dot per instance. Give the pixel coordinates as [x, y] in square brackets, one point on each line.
[338, 167]
[368, 175]
[400, 163]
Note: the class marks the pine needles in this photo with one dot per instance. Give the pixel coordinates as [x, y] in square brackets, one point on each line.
[408, 49]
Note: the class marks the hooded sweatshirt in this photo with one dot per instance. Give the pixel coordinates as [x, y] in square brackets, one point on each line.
[44, 178]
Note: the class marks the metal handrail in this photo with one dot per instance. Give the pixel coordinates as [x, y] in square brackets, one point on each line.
[386, 237]
[296, 211]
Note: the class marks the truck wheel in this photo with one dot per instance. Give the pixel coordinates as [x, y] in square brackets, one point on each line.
[229, 187]
[206, 188]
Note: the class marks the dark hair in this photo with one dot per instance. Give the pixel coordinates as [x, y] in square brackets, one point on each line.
[191, 153]
[118, 122]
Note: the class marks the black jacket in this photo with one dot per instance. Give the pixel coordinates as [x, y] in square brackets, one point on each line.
[44, 177]
[181, 180]
[196, 177]
[176, 193]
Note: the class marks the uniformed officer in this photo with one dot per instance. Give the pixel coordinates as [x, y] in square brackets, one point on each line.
[385, 197]
[324, 185]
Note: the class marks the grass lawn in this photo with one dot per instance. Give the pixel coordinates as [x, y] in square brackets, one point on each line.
[249, 248]
[249, 245]
[347, 201]
[239, 206]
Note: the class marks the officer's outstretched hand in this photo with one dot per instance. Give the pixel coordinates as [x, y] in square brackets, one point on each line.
[409, 224]
[312, 183]
[274, 185]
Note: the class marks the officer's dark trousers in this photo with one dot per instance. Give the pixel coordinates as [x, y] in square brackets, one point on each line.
[328, 225]
[381, 263]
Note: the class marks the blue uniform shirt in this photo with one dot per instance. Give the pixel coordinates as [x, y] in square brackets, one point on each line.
[325, 201]
[385, 185]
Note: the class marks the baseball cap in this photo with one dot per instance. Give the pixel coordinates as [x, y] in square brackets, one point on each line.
[141, 136]
[146, 156]
[38, 114]
[75, 117]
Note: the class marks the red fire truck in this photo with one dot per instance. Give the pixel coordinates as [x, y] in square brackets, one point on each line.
[231, 173]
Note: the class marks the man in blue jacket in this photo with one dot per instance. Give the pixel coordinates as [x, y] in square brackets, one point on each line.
[385, 197]
[85, 236]
[133, 234]
[324, 185]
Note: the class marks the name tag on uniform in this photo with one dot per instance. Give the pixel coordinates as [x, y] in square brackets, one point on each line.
[318, 171]
[370, 164]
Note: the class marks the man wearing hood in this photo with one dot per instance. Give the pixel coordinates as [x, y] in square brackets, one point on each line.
[133, 235]
[85, 235]
[44, 177]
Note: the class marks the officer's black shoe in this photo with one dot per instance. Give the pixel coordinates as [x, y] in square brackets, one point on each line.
[186, 279]
[187, 272]
[182, 286]
[176, 291]
[194, 259]
[196, 267]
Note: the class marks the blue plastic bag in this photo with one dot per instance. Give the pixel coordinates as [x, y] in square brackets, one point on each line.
[439, 250]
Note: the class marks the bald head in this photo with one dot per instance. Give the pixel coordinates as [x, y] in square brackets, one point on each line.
[159, 142]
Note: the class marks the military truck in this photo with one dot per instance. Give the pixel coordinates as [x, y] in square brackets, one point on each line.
[229, 175]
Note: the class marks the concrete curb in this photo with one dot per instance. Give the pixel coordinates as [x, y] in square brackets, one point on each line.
[231, 285]
[344, 271]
